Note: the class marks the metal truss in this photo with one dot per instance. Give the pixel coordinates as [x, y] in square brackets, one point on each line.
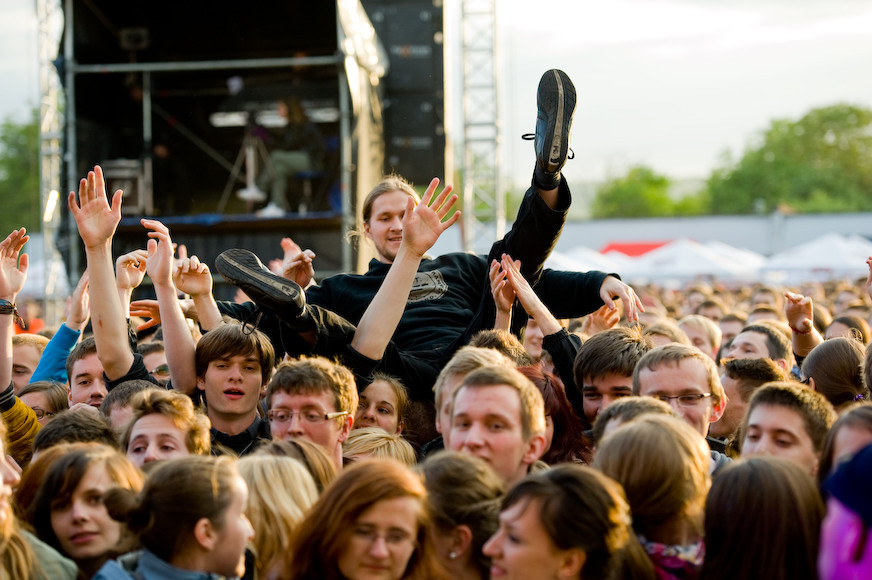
[483, 196]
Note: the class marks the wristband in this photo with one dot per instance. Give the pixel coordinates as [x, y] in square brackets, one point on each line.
[7, 307]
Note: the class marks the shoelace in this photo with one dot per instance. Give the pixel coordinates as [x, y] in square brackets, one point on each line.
[246, 329]
[531, 136]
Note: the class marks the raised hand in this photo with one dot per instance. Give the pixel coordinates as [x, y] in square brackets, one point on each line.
[192, 276]
[799, 311]
[130, 269]
[79, 304]
[95, 218]
[502, 291]
[159, 264]
[613, 288]
[422, 223]
[297, 264]
[601, 319]
[526, 296]
[13, 264]
[147, 309]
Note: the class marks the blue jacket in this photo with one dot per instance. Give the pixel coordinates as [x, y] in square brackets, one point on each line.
[144, 565]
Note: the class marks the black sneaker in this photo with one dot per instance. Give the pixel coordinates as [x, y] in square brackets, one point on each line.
[556, 103]
[275, 294]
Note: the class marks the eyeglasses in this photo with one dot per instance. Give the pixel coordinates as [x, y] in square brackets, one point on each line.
[685, 400]
[163, 369]
[40, 413]
[312, 416]
[393, 538]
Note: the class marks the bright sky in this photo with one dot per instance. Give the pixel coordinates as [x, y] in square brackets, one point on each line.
[671, 84]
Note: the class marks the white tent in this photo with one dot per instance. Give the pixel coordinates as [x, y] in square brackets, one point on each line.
[827, 257]
[738, 254]
[685, 259]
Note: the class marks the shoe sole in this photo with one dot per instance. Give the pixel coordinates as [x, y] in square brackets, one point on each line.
[559, 102]
[245, 270]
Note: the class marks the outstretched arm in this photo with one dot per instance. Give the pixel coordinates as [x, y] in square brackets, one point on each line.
[178, 343]
[422, 226]
[97, 220]
[13, 272]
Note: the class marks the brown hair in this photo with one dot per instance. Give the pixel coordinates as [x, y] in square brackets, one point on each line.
[400, 393]
[672, 355]
[327, 528]
[859, 328]
[503, 341]
[836, 365]
[316, 375]
[180, 410]
[75, 427]
[569, 442]
[64, 475]
[614, 351]
[85, 348]
[626, 409]
[777, 344]
[580, 507]
[229, 340]
[464, 491]
[817, 413]
[858, 416]
[54, 392]
[177, 493]
[751, 373]
[663, 466]
[778, 535]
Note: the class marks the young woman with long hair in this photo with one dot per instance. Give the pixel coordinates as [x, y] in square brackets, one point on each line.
[374, 518]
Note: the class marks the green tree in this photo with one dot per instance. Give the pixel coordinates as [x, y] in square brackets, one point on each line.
[820, 163]
[19, 175]
[640, 193]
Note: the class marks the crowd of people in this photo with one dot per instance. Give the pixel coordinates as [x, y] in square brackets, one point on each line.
[465, 416]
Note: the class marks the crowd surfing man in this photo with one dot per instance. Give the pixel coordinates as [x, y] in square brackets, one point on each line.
[451, 296]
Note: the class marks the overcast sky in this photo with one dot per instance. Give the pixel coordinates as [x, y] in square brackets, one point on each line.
[671, 84]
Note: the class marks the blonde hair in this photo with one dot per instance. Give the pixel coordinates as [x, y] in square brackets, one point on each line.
[276, 510]
[377, 443]
[464, 361]
[532, 403]
[17, 559]
[711, 330]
